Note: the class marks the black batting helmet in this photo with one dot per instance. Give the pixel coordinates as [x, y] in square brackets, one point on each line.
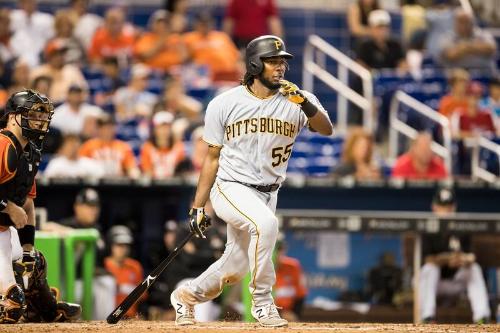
[263, 47]
[36, 112]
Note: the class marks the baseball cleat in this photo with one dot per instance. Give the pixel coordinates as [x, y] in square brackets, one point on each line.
[268, 316]
[184, 313]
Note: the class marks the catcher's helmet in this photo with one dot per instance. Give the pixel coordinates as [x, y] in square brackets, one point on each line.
[263, 47]
[36, 112]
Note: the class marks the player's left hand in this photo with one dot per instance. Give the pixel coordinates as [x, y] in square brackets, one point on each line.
[292, 92]
[198, 222]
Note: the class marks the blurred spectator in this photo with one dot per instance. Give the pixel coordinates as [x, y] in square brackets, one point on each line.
[62, 75]
[85, 23]
[449, 266]
[357, 20]
[177, 10]
[420, 162]
[456, 99]
[357, 157]
[115, 156]
[290, 289]
[76, 116]
[491, 103]
[472, 121]
[248, 19]
[109, 83]
[160, 155]
[64, 27]
[379, 50]
[175, 100]
[128, 272]
[31, 31]
[385, 280]
[213, 48]
[115, 38]
[414, 25]
[42, 84]
[160, 48]
[134, 100]
[86, 211]
[67, 163]
[469, 46]
[197, 152]
[20, 77]
[6, 49]
[440, 17]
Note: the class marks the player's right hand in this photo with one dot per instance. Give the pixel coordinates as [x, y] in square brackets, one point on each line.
[198, 222]
[17, 215]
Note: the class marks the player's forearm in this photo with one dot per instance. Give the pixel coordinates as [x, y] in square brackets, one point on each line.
[206, 181]
[29, 208]
[321, 123]
[27, 234]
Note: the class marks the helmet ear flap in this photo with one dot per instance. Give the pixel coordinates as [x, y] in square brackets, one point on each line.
[256, 67]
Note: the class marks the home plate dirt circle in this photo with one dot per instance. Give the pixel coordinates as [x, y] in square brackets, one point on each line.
[139, 326]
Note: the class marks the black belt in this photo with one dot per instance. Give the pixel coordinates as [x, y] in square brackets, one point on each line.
[264, 188]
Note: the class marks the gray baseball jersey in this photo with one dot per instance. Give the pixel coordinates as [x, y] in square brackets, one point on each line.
[256, 135]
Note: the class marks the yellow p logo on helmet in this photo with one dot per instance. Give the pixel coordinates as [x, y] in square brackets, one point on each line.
[278, 44]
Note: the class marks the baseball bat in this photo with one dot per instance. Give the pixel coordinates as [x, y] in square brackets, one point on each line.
[131, 298]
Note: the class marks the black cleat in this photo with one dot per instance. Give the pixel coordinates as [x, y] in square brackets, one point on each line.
[68, 311]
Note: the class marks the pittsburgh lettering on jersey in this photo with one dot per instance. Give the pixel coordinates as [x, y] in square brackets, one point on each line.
[261, 125]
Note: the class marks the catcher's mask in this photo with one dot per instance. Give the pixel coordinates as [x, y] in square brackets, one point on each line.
[263, 47]
[36, 113]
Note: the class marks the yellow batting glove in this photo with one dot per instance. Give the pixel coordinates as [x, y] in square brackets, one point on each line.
[292, 92]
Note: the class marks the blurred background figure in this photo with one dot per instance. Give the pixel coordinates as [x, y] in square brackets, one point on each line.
[357, 157]
[31, 30]
[214, 49]
[64, 29]
[114, 156]
[245, 20]
[357, 20]
[161, 48]
[385, 280]
[161, 155]
[128, 272]
[420, 162]
[449, 267]
[456, 99]
[290, 289]
[85, 23]
[177, 10]
[175, 100]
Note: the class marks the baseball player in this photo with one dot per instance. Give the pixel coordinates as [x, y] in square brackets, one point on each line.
[25, 122]
[250, 131]
[450, 268]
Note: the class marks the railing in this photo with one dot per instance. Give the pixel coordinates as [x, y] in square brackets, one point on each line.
[315, 53]
[397, 126]
[478, 172]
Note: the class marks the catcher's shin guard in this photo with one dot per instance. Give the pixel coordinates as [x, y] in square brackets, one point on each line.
[41, 300]
[12, 305]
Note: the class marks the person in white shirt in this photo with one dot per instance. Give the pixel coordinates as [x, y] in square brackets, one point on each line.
[31, 31]
[85, 23]
[67, 163]
[76, 116]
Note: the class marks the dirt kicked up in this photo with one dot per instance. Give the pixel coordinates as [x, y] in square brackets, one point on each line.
[138, 326]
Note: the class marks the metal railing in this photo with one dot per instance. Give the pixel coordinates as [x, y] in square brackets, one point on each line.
[397, 126]
[315, 53]
[478, 172]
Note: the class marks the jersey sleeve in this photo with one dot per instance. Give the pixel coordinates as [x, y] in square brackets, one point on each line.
[213, 132]
[8, 160]
[32, 192]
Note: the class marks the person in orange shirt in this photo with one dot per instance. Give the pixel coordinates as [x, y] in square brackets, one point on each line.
[290, 288]
[115, 38]
[456, 99]
[160, 48]
[160, 155]
[116, 156]
[213, 48]
[128, 272]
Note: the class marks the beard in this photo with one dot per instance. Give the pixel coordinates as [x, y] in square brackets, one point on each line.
[268, 84]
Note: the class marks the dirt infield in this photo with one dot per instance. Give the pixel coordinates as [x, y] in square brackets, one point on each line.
[136, 326]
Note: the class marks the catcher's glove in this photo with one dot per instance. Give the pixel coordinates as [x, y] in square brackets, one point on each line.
[198, 222]
[292, 92]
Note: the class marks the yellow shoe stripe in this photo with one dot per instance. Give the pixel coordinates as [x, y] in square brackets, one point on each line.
[256, 243]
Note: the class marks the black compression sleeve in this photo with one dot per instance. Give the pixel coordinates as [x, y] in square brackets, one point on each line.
[27, 235]
[309, 108]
